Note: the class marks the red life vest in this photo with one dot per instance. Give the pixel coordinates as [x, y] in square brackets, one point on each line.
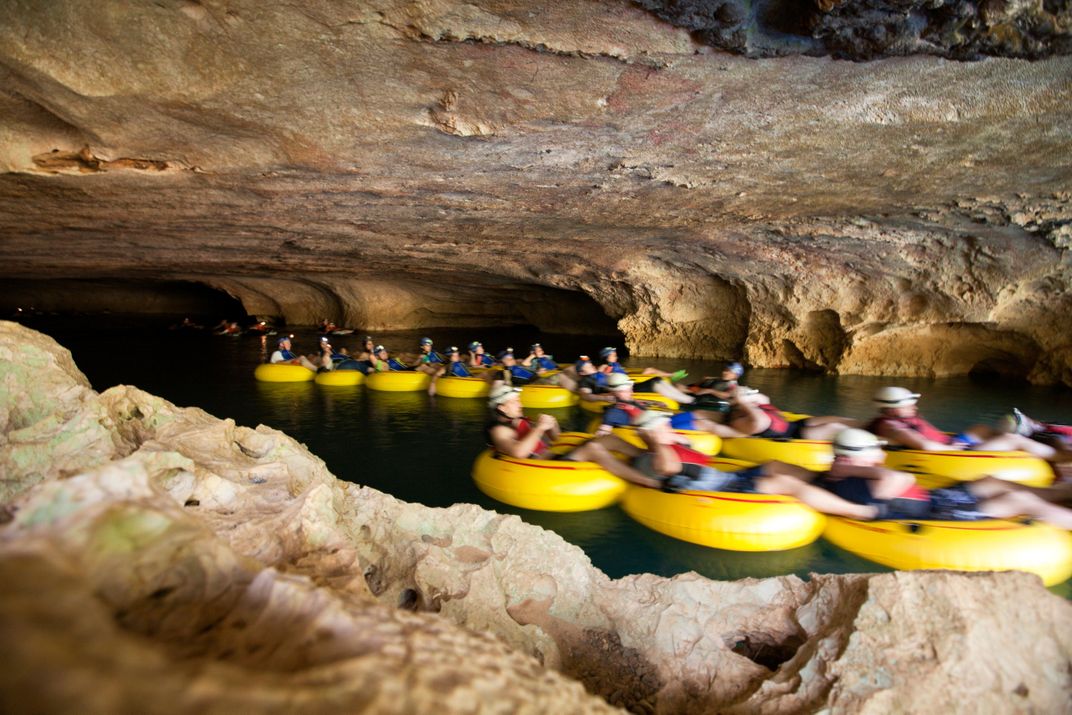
[882, 426]
[630, 408]
[542, 450]
[688, 455]
[778, 423]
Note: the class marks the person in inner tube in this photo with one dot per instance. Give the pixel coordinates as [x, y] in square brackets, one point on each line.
[512, 434]
[751, 413]
[900, 424]
[284, 356]
[857, 474]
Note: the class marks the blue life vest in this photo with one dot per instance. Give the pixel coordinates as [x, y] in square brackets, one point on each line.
[287, 355]
[431, 357]
[457, 369]
[486, 361]
[616, 367]
[545, 362]
[395, 365]
[521, 375]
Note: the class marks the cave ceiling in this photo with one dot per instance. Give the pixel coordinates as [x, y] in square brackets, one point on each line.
[720, 178]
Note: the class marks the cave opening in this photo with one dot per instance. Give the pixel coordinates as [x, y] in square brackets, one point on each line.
[1002, 368]
[108, 296]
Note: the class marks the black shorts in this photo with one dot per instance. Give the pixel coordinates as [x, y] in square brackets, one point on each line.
[792, 431]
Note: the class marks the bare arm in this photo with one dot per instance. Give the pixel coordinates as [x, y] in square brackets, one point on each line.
[906, 437]
[506, 442]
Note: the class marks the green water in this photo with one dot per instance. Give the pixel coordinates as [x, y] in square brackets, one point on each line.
[421, 449]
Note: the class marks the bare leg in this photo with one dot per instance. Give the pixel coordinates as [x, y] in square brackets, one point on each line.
[815, 497]
[593, 451]
[825, 430]
[1026, 504]
[665, 389]
[706, 425]
[1009, 442]
[307, 363]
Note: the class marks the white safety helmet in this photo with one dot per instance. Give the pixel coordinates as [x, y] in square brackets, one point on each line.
[617, 379]
[501, 394]
[852, 441]
[895, 397]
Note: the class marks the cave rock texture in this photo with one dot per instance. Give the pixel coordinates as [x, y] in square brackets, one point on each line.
[156, 559]
[719, 178]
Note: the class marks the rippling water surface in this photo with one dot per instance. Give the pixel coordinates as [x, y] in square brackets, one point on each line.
[420, 449]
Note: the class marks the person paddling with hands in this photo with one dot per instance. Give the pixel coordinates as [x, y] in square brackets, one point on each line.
[512, 434]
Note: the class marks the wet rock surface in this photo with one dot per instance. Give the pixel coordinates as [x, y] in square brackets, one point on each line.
[207, 566]
[395, 165]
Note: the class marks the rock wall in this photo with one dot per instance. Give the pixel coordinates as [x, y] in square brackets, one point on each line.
[159, 559]
[405, 164]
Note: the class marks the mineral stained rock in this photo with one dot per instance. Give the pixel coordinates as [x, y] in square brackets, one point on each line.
[404, 164]
[202, 566]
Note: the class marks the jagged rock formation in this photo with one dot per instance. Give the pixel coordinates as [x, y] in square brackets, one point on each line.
[872, 29]
[158, 559]
[396, 164]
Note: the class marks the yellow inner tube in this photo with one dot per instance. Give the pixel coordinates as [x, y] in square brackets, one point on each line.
[282, 372]
[465, 387]
[816, 455]
[398, 381]
[989, 545]
[546, 484]
[941, 469]
[704, 442]
[340, 378]
[724, 520]
[546, 396]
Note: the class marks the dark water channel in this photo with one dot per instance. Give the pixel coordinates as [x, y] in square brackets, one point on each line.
[421, 449]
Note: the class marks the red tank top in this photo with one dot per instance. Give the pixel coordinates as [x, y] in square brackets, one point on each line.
[778, 423]
[883, 425]
[688, 455]
[542, 450]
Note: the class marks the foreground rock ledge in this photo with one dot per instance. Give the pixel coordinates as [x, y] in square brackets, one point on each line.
[155, 558]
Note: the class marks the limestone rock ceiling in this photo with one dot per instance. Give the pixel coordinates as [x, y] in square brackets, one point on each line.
[393, 163]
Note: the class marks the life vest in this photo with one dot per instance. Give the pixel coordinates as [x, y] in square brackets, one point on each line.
[287, 355]
[622, 414]
[883, 425]
[692, 462]
[596, 383]
[457, 369]
[609, 367]
[523, 427]
[396, 366]
[778, 424]
[431, 357]
[521, 375]
[545, 362]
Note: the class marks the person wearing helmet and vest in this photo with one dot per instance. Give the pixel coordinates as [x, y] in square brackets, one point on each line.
[383, 362]
[752, 414]
[514, 373]
[284, 356]
[539, 360]
[857, 474]
[478, 357]
[900, 423]
[512, 434]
